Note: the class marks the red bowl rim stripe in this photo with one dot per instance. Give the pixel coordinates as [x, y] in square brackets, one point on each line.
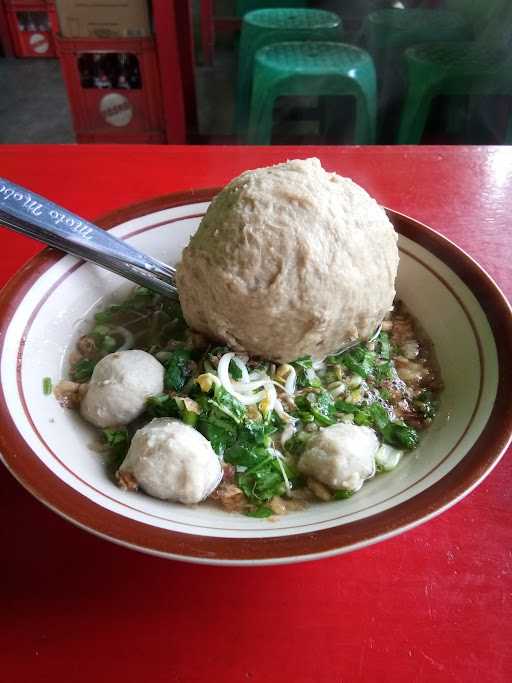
[475, 465]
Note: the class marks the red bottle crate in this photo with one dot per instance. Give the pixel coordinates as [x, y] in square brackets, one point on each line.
[113, 89]
[30, 25]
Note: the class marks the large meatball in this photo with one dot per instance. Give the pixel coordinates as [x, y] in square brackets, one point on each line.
[341, 456]
[119, 387]
[172, 461]
[289, 261]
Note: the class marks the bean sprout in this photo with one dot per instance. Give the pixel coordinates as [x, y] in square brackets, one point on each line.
[288, 432]
[279, 457]
[245, 387]
[257, 374]
[275, 453]
[271, 395]
[278, 407]
[340, 389]
[291, 381]
[127, 336]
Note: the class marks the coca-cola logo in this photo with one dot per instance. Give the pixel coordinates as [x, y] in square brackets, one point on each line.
[39, 43]
[116, 109]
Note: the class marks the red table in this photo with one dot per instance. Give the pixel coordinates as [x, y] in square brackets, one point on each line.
[432, 605]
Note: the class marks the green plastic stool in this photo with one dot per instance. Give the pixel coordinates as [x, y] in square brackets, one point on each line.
[450, 69]
[387, 33]
[398, 29]
[244, 6]
[476, 12]
[268, 26]
[480, 67]
[317, 69]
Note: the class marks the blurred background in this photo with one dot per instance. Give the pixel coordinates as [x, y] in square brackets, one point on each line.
[249, 72]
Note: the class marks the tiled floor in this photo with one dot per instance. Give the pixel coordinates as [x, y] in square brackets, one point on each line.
[34, 106]
[33, 102]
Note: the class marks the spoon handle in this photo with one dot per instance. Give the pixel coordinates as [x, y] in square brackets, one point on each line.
[37, 217]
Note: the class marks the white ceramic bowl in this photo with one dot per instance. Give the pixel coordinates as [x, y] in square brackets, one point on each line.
[50, 303]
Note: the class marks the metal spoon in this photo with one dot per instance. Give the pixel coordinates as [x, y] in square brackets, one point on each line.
[37, 217]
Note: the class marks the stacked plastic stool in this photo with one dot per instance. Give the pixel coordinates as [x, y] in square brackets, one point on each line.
[450, 69]
[389, 32]
[265, 27]
[473, 68]
[313, 69]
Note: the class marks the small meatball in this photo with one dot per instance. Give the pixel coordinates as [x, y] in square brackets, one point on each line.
[341, 456]
[172, 461]
[119, 386]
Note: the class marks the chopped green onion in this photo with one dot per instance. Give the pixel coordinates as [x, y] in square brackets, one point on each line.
[101, 330]
[384, 345]
[47, 386]
[108, 343]
[306, 375]
[344, 406]
[118, 441]
[343, 494]
[379, 415]
[297, 443]
[189, 417]
[318, 405]
[262, 511]
[305, 417]
[234, 370]
[82, 371]
[383, 371]
[105, 316]
[177, 369]
[360, 361]
[400, 436]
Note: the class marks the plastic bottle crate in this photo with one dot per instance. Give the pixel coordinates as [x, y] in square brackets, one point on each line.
[113, 89]
[31, 26]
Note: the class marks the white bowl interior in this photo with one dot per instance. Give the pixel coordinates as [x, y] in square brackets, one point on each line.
[58, 309]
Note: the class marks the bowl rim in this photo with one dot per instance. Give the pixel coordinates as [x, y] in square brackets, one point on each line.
[477, 463]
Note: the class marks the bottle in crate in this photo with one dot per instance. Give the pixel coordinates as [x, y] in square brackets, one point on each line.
[29, 25]
[21, 18]
[43, 23]
[86, 70]
[123, 73]
[111, 66]
[134, 72]
[101, 78]
[114, 89]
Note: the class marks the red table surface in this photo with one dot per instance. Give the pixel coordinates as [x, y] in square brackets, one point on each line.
[431, 605]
